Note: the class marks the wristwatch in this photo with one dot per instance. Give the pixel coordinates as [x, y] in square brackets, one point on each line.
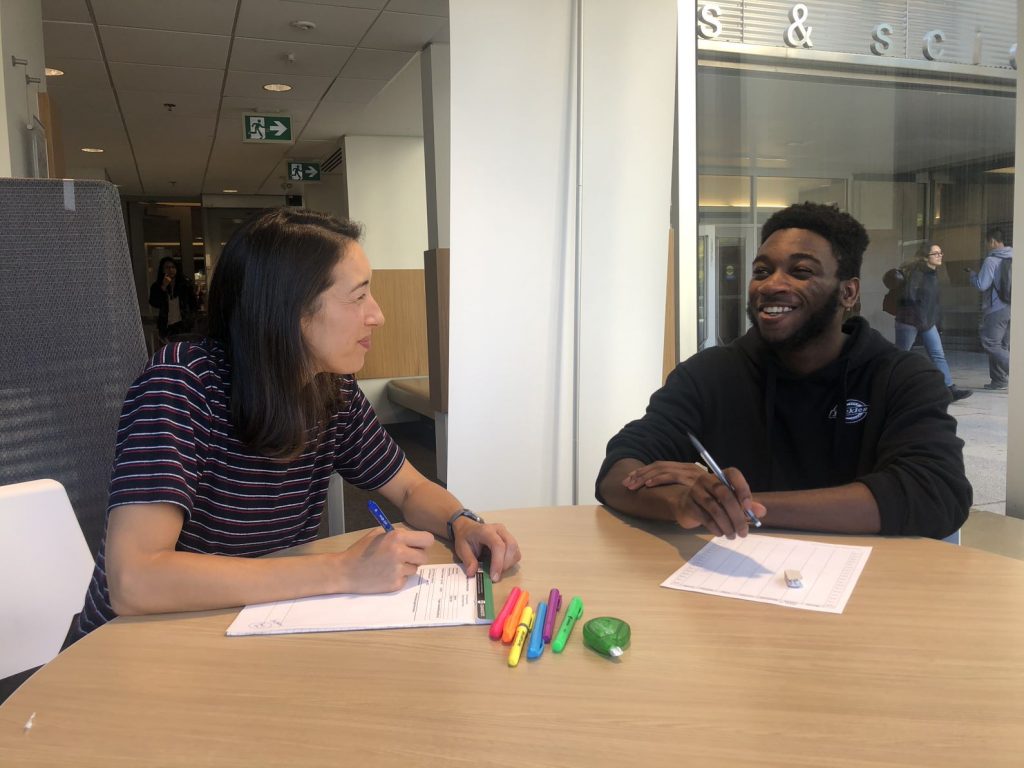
[461, 513]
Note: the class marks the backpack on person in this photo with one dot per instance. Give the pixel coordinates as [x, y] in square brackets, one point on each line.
[895, 281]
[1004, 282]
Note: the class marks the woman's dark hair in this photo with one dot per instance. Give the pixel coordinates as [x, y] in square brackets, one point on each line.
[844, 233]
[269, 276]
[179, 286]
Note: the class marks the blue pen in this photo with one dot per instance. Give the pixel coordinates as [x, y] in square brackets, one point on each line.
[536, 647]
[381, 517]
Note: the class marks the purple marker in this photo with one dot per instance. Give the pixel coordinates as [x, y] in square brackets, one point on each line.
[554, 603]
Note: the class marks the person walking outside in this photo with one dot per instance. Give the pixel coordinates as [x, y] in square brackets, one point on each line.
[993, 282]
[918, 314]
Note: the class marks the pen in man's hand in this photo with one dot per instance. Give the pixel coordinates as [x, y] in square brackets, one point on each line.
[713, 466]
[378, 513]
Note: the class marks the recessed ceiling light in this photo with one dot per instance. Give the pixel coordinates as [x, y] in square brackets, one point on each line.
[51, 72]
[277, 87]
[229, 190]
[305, 26]
[92, 149]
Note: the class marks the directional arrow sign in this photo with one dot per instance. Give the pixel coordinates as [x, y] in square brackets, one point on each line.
[304, 171]
[262, 128]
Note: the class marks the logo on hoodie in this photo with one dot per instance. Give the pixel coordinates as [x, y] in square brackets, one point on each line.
[855, 411]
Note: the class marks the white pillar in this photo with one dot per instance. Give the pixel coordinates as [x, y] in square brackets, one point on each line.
[1015, 416]
[514, 342]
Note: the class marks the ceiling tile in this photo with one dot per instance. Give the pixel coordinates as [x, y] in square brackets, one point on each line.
[428, 7]
[367, 64]
[213, 17]
[330, 121]
[249, 55]
[143, 103]
[402, 31]
[250, 85]
[171, 49]
[79, 75]
[149, 77]
[66, 39]
[354, 91]
[167, 129]
[334, 25]
[66, 10]
[374, 4]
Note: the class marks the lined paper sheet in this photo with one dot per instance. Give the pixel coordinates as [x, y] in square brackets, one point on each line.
[753, 568]
[436, 596]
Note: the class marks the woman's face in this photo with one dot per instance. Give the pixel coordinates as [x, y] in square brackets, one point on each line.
[170, 269]
[337, 334]
[935, 257]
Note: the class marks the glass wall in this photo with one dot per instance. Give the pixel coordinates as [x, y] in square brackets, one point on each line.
[901, 113]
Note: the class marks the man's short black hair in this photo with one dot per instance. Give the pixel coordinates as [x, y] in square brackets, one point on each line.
[844, 233]
[996, 234]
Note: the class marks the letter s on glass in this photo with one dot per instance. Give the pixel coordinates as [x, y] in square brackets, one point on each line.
[709, 24]
[882, 36]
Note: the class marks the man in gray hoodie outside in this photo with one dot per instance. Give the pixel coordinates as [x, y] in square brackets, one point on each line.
[995, 320]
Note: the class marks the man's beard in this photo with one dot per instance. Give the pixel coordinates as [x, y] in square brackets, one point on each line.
[815, 325]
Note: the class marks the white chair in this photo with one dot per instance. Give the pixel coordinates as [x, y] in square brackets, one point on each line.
[45, 567]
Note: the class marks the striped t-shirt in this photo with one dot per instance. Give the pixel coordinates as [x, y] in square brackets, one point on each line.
[176, 445]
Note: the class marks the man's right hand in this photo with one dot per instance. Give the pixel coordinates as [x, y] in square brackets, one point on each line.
[709, 503]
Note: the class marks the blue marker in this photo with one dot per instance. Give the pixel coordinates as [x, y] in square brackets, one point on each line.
[381, 517]
[536, 647]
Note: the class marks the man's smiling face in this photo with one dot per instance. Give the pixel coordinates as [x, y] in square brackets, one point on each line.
[794, 293]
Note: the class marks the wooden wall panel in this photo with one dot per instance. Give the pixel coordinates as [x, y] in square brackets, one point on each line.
[400, 345]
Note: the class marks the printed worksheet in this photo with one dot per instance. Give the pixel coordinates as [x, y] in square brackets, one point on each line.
[754, 568]
[436, 596]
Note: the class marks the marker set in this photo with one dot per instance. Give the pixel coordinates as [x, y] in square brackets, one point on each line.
[517, 620]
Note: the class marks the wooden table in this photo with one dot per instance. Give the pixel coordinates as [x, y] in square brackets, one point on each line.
[924, 668]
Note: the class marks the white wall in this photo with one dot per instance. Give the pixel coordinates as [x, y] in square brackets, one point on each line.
[386, 182]
[513, 226]
[21, 35]
[1015, 416]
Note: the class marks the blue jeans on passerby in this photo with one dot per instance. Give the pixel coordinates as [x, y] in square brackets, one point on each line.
[995, 340]
[905, 335]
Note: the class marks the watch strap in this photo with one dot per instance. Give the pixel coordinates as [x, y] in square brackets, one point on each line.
[461, 513]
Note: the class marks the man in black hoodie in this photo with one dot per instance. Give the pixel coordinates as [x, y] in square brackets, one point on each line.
[823, 425]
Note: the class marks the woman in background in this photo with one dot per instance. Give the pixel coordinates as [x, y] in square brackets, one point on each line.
[226, 445]
[918, 314]
[172, 295]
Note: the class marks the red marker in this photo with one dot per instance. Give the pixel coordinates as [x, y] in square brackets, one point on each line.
[499, 621]
[512, 622]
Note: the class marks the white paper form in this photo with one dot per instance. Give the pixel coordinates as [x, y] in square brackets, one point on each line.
[436, 596]
[753, 568]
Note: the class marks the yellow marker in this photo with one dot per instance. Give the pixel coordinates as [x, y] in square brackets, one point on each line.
[525, 625]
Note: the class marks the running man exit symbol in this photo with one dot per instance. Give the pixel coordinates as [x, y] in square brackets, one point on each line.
[260, 128]
[304, 171]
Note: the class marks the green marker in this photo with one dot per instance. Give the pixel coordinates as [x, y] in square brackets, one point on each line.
[572, 615]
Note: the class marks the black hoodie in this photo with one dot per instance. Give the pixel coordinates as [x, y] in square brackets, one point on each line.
[782, 432]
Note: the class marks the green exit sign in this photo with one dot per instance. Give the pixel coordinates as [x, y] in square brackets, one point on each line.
[261, 128]
[304, 171]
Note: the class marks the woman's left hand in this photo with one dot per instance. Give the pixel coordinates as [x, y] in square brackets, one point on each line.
[471, 538]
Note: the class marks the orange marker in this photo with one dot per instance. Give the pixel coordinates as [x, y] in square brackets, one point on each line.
[512, 622]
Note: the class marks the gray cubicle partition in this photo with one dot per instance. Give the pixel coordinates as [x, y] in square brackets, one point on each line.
[71, 338]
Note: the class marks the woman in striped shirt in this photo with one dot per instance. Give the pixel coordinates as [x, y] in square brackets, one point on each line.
[225, 446]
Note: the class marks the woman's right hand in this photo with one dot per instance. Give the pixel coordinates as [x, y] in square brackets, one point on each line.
[383, 562]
